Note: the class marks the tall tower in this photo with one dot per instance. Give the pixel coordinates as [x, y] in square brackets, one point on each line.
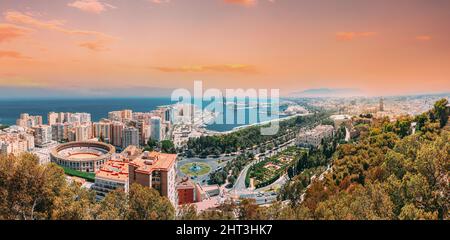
[381, 104]
[156, 133]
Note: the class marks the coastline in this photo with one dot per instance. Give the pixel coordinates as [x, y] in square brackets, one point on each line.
[235, 129]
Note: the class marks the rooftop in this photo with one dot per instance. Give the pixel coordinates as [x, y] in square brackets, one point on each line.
[186, 184]
[113, 171]
[131, 152]
[147, 162]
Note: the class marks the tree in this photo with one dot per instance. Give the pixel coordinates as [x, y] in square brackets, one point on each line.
[370, 203]
[114, 206]
[151, 145]
[28, 190]
[146, 204]
[440, 110]
[226, 211]
[421, 120]
[248, 210]
[167, 146]
[188, 212]
[410, 212]
[74, 203]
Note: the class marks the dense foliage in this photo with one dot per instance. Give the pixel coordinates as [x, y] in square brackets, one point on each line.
[246, 138]
[30, 191]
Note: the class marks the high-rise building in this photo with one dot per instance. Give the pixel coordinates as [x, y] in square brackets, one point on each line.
[58, 131]
[81, 133]
[117, 133]
[130, 137]
[61, 117]
[142, 127]
[79, 118]
[127, 114]
[15, 143]
[381, 104]
[155, 170]
[103, 130]
[156, 129]
[121, 116]
[42, 135]
[115, 116]
[28, 121]
[52, 118]
[168, 115]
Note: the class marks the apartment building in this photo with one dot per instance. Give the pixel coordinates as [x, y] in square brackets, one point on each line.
[156, 170]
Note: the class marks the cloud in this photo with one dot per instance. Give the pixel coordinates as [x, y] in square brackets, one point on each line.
[58, 26]
[21, 18]
[91, 6]
[229, 68]
[9, 32]
[241, 2]
[159, 1]
[55, 25]
[424, 38]
[349, 36]
[12, 54]
[96, 45]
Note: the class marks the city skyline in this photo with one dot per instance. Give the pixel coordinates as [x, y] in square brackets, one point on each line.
[143, 47]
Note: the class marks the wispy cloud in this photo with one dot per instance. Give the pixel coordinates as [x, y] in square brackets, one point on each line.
[96, 45]
[9, 32]
[348, 36]
[91, 6]
[242, 2]
[58, 26]
[159, 1]
[424, 38]
[225, 68]
[12, 54]
[55, 25]
[246, 2]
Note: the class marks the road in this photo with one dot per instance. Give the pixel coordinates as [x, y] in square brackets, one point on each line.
[212, 162]
[240, 181]
[263, 195]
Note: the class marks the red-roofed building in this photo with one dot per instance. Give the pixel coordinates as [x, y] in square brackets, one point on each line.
[155, 170]
[188, 192]
[111, 176]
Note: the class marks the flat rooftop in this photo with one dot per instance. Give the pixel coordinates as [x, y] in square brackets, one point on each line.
[151, 161]
[113, 171]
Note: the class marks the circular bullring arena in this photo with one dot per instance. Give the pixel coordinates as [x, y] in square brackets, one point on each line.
[82, 156]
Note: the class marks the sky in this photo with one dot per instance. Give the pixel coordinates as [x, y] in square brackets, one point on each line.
[144, 47]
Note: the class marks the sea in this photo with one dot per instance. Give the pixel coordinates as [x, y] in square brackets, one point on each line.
[10, 110]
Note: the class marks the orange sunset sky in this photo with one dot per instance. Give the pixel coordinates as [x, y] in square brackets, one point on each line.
[381, 47]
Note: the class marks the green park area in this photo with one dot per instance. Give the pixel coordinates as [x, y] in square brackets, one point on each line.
[268, 171]
[90, 177]
[195, 169]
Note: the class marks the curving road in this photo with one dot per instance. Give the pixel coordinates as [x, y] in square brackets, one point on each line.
[239, 186]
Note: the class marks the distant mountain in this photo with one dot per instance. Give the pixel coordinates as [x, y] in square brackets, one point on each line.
[328, 92]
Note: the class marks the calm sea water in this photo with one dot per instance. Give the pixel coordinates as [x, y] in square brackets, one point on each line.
[99, 108]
